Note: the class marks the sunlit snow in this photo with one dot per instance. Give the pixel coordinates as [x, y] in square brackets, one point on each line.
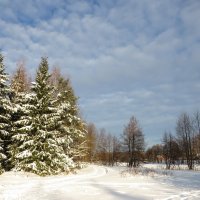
[100, 183]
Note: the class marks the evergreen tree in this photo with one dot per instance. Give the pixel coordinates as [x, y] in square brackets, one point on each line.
[41, 151]
[5, 118]
[20, 99]
[73, 128]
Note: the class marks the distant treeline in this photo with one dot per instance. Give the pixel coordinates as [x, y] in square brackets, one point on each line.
[182, 148]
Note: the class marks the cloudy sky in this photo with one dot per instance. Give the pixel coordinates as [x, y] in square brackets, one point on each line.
[124, 57]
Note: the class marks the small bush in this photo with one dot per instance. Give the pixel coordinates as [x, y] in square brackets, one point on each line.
[142, 171]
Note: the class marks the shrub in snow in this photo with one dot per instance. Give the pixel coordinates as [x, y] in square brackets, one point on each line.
[144, 172]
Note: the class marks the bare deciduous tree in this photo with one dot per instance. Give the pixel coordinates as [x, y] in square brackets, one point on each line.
[134, 141]
[171, 150]
[91, 137]
[20, 81]
[185, 135]
[116, 147]
[196, 126]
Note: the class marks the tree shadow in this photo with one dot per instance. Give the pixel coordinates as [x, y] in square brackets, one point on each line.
[117, 195]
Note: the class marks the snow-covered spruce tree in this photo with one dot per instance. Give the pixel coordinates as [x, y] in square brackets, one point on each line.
[73, 128]
[20, 100]
[41, 152]
[5, 119]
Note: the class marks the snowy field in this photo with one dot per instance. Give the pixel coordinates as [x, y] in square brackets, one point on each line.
[101, 183]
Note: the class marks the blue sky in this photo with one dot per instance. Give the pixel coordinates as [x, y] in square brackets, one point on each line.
[124, 57]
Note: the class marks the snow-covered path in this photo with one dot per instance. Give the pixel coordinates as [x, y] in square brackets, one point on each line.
[100, 183]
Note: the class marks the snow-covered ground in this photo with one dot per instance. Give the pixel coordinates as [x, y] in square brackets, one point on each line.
[100, 183]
